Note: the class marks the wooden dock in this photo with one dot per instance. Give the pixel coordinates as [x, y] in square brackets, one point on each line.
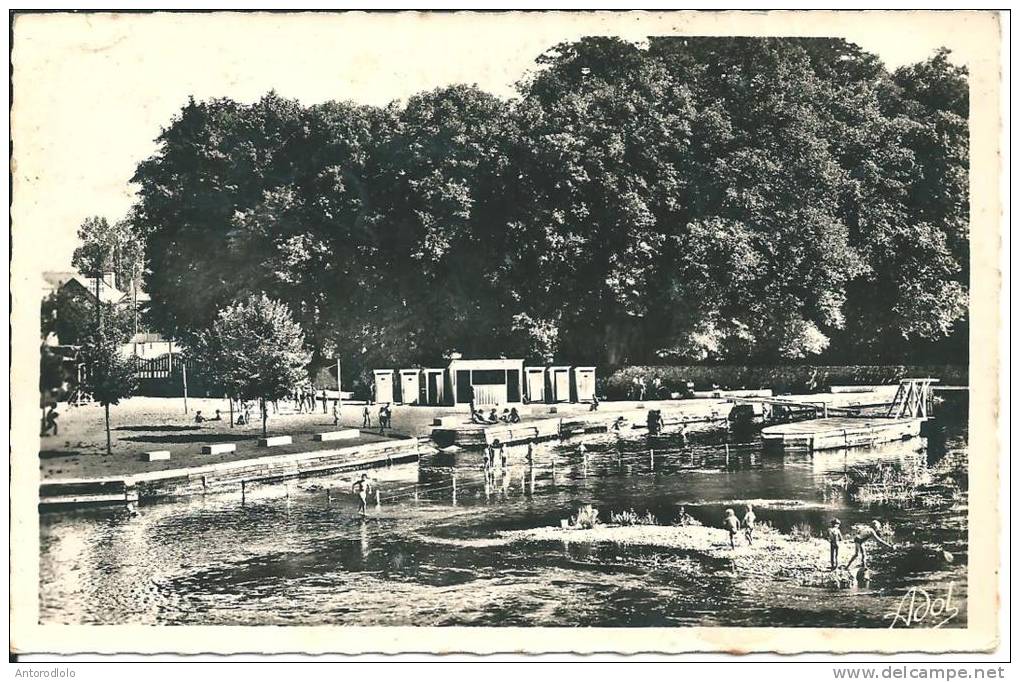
[839, 432]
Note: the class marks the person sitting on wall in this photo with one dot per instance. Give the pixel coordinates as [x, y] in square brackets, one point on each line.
[217, 418]
[515, 417]
[594, 404]
[198, 417]
[493, 417]
[477, 417]
[505, 417]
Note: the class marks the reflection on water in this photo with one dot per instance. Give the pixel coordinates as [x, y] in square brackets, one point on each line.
[430, 553]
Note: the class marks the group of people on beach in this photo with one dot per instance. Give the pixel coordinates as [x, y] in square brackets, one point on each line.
[862, 535]
[304, 399]
[199, 418]
[640, 390]
[509, 416]
[385, 417]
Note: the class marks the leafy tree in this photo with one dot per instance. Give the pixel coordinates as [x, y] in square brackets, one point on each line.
[107, 248]
[110, 375]
[765, 199]
[256, 349]
[93, 255]
[71, 317]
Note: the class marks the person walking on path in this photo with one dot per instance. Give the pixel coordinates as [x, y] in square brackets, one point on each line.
[749, 519]
[865, 533]
[366, 418]
[336, 413]
[382, 418]
[361, 487]
[732, 525]
[835, 537]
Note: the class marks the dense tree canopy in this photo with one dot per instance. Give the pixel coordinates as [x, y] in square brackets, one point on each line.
[686, 199]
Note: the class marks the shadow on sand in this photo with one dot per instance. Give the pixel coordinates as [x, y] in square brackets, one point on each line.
[167, 427]
[192, 438]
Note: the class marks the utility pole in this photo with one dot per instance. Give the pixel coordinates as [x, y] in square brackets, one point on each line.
[339, 389]
[184, 379]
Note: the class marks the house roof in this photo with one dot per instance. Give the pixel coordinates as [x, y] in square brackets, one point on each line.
[54, 281]
[500, 363]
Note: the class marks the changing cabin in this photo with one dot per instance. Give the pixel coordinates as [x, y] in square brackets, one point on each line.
[383, 385]
[557, 384]
[534, 384]
[410, 386]
[435, 386]
[582, 386]
[495, 382]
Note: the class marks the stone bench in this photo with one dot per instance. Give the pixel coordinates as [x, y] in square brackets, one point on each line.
[274, 441]
[156, 456]
[218, 448]
[344, 434]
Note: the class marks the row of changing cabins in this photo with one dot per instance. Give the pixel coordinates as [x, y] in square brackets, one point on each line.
[495, 382]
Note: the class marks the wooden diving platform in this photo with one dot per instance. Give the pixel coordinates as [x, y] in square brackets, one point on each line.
[839, 432]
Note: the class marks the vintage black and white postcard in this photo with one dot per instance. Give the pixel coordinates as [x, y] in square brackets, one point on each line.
[505, 331]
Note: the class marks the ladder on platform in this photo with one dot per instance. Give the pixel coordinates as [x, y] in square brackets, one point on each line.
[913, 399]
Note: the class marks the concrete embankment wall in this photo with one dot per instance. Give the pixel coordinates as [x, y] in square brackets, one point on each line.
[226, 475]
[780, 379]
[674, 412]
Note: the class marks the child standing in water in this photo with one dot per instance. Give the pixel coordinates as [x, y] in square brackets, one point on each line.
[835, 537]
[361, 488]
[749, 519]
[732, 524]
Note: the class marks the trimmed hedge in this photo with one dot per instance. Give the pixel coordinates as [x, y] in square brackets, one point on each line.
[781, 379]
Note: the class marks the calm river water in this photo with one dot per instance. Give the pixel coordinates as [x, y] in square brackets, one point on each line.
[289, 555]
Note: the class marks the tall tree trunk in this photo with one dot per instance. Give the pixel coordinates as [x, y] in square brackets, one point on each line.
[99, 318]
[262, 401]
[134, 305]
[109, 449]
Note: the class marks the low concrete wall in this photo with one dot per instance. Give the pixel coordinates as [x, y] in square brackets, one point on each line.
[226, 475]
